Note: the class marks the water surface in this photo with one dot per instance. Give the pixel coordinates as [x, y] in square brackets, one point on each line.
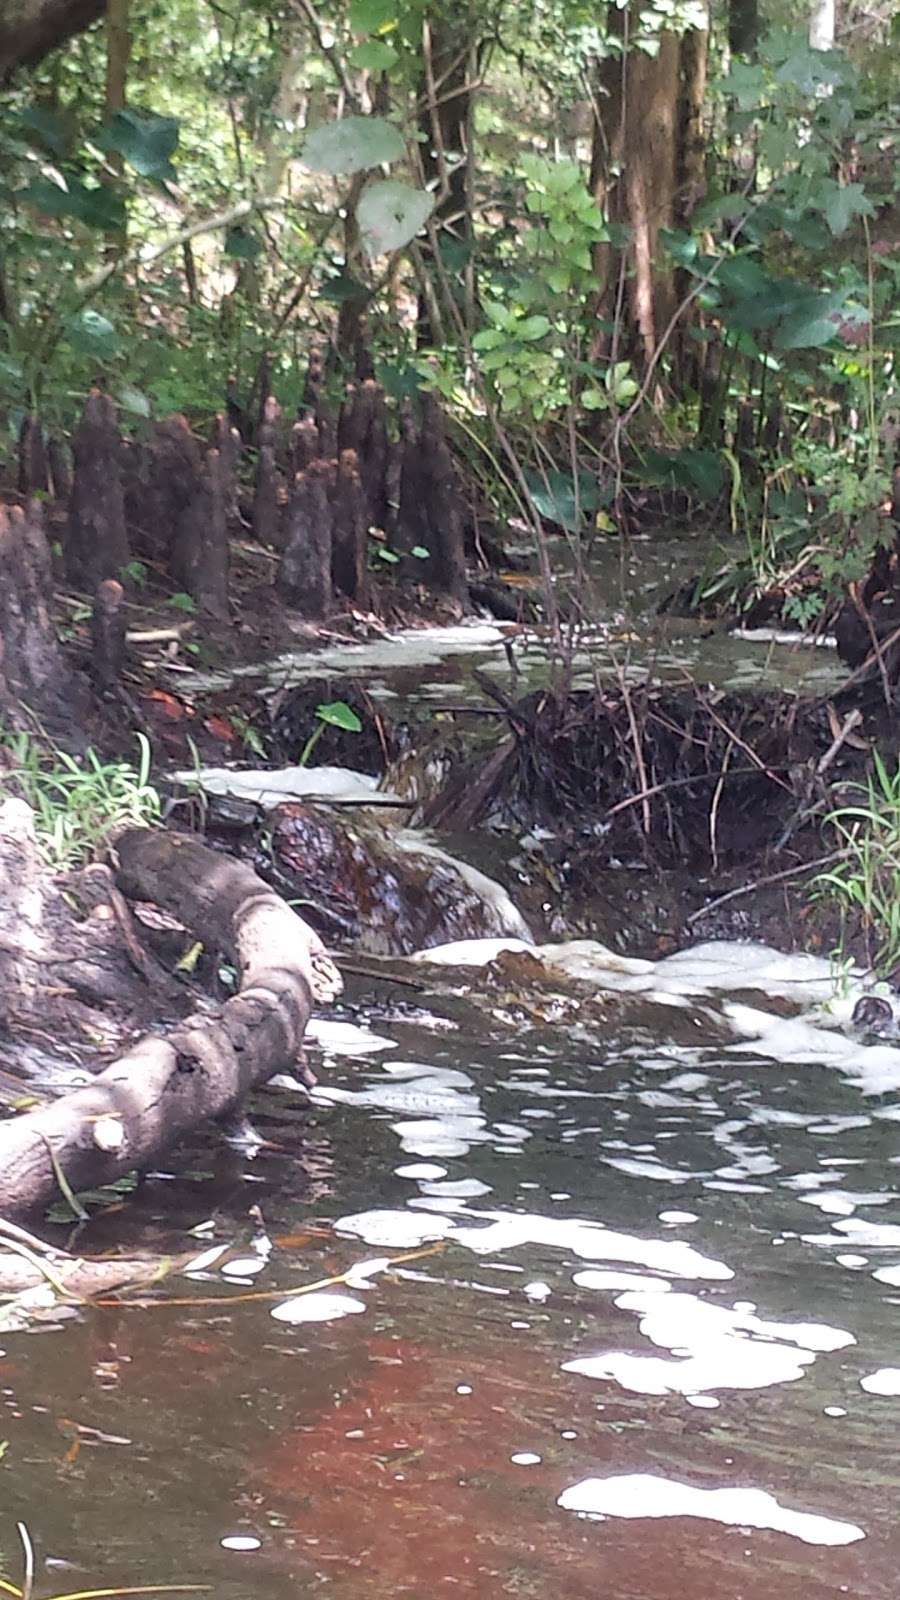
[661, 1272]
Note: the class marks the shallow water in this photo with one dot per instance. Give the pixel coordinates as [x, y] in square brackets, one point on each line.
[626, 633]
[646, 1355]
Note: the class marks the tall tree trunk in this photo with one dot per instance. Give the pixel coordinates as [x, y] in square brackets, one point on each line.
[30, 29]
[446, 125]
[118, 56]
[636, 169]
[743, 27]
[822, 24]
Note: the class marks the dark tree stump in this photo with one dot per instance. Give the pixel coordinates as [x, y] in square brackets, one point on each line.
[363, 428]
[108, 636]
[304, 575]
[34, 477]
[312, 387]
[304, 444]
[203, 541]
[430, 513]
[96, 546]
[60, 463]
[268, 498]
[162, 482]
[227, 441]
[350, 531]
[237, 416]
[31, 665]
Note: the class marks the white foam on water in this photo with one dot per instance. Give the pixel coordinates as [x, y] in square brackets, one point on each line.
[272, 787]
[345, 1038]
[886, 1381]
[421, 1170]
[591, 1278]
[643, 1494]
[715, 1347]
[320, 1306]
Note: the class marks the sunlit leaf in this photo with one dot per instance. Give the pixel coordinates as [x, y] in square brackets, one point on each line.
[351, 145]
[338, 714]
[390, 214]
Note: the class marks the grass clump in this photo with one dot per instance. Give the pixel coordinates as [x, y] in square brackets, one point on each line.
[864, 885]
[76, 802]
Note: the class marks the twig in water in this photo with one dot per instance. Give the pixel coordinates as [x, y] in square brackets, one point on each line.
[764, 883]
[28, 1548]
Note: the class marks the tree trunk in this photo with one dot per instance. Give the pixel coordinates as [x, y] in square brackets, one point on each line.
[446, 127]
[30, 29]
[743, 27]
[167, 1085]
[822, 23]
[635, 171]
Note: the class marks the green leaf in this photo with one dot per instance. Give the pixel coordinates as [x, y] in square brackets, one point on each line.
[92, 335]
[135, 401]
[531, 328]
[420, 552]
[48, 128]
[701, 470]
[182, 602]
[339, 715]
[390, 214]
[384, 554]
[374, 55]
[100, 208]
[146, 141]
[242, 243]
[841, 205]
[337, 291]
[371, 16]
[351, 145]
[554, 497]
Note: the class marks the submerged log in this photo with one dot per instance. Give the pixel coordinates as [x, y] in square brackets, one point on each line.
[96, 545]
[164, 1087]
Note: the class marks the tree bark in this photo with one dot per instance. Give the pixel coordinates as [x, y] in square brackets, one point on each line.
[446, 128]
[30, 29]
[139, 1107]
[637, 166]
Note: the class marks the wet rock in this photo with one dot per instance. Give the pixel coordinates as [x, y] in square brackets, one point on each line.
[388, 892]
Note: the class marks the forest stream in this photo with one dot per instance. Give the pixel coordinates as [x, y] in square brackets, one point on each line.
[606, 1303]
[647, 1348]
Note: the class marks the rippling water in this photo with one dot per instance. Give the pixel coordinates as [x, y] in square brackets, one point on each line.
[643, 1343]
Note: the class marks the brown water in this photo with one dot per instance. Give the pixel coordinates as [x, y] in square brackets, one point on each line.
[420, 1447]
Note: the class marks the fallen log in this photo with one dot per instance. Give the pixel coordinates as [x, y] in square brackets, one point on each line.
[166, 1085]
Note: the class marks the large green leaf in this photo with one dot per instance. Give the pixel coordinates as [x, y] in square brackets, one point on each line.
[100, 207]
[143, 139]
[374, 55]
[92, 335]
[242, 243]
[371, 16]
[351, 145]
[553, 494]
[390, 214]
[702, 471]
[49, 128]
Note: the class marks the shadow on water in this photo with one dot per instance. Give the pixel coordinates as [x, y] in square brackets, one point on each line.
[630, 1366]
